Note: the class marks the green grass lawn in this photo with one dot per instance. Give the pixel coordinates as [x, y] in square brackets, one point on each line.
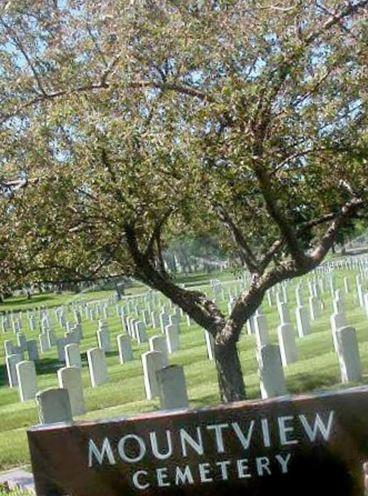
[317, 369]
[14, 493]
[22, 303]
[49, 300]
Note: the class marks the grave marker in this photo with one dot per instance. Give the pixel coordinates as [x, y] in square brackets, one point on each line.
[172, 389]
[125, 348]
[11, 364]
[286, 336]
[97, 367]
[54, 406]
[271, 373]
[152, 361]
[158, 343]
[348, 353]
[72, 355]
[70, 378]
[27, 380]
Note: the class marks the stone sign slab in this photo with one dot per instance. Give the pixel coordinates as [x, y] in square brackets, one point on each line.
[306, 445]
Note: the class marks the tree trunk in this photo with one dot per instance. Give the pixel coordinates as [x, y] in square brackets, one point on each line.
[229, 372]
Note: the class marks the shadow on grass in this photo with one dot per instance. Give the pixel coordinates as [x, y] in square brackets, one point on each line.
[35, 300]
[3, 375]
[48, 365]
[84, 358]
[206, 401]
[195, 278]
[306, 382]
[111, 354]
[107, 355]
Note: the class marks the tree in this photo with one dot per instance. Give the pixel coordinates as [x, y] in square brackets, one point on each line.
[125, 123]
[191, 252]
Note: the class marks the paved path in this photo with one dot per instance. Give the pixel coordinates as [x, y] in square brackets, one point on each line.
[18, 479]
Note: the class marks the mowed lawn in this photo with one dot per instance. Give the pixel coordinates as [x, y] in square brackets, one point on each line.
[317, 368]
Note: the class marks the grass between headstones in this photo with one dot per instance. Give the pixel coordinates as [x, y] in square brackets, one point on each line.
[316, 369]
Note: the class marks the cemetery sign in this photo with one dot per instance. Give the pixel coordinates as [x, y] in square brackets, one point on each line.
[312, 445]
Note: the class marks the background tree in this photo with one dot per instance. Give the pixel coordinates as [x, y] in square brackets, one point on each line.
[136, 120]
[200, 252]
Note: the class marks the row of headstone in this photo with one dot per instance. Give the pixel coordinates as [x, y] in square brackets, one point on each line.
[68, 349]
[66, 402]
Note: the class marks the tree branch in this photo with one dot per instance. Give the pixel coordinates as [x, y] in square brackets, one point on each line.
[336, 18]
[269, 255]
[248, 302]
[17, 42]
[194, 303]
[274, 85]
[156, 239]
[287, 231]
[14, 185]
[316, 222]
[246, 254]
[103, 85]
[348, 211]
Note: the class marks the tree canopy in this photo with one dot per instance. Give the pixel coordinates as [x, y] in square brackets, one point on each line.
[124, 124]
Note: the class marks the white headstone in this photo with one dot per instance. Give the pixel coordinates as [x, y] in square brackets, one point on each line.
[140, 332]
[314, 308]
[97, 367]
[288, 350]
[72, 355]
[51, 337]
[158, 343]
[44, 342]
[337, 320]
[346, 285]
[210, 345]
[54, 406]
[365, 299]
[302, 321]
[60, 345]
[152, 361]
[172, 388]
[261, 330]
[70, 378]
[9, 348]
[32, 350]
[172, 338]
[164, 321]
[103, 338]
[27, 380]
[338, 305]
[348, 353]
[299, 296]
[125, 348]
[284, 313]
[251, 325]
[271, 373]
[22, 342]
[11, 364]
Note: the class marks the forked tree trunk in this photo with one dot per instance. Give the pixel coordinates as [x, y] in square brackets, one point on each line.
[229, 373]
[205, 313]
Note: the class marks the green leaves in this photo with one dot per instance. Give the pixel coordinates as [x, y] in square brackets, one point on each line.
[124, 111]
